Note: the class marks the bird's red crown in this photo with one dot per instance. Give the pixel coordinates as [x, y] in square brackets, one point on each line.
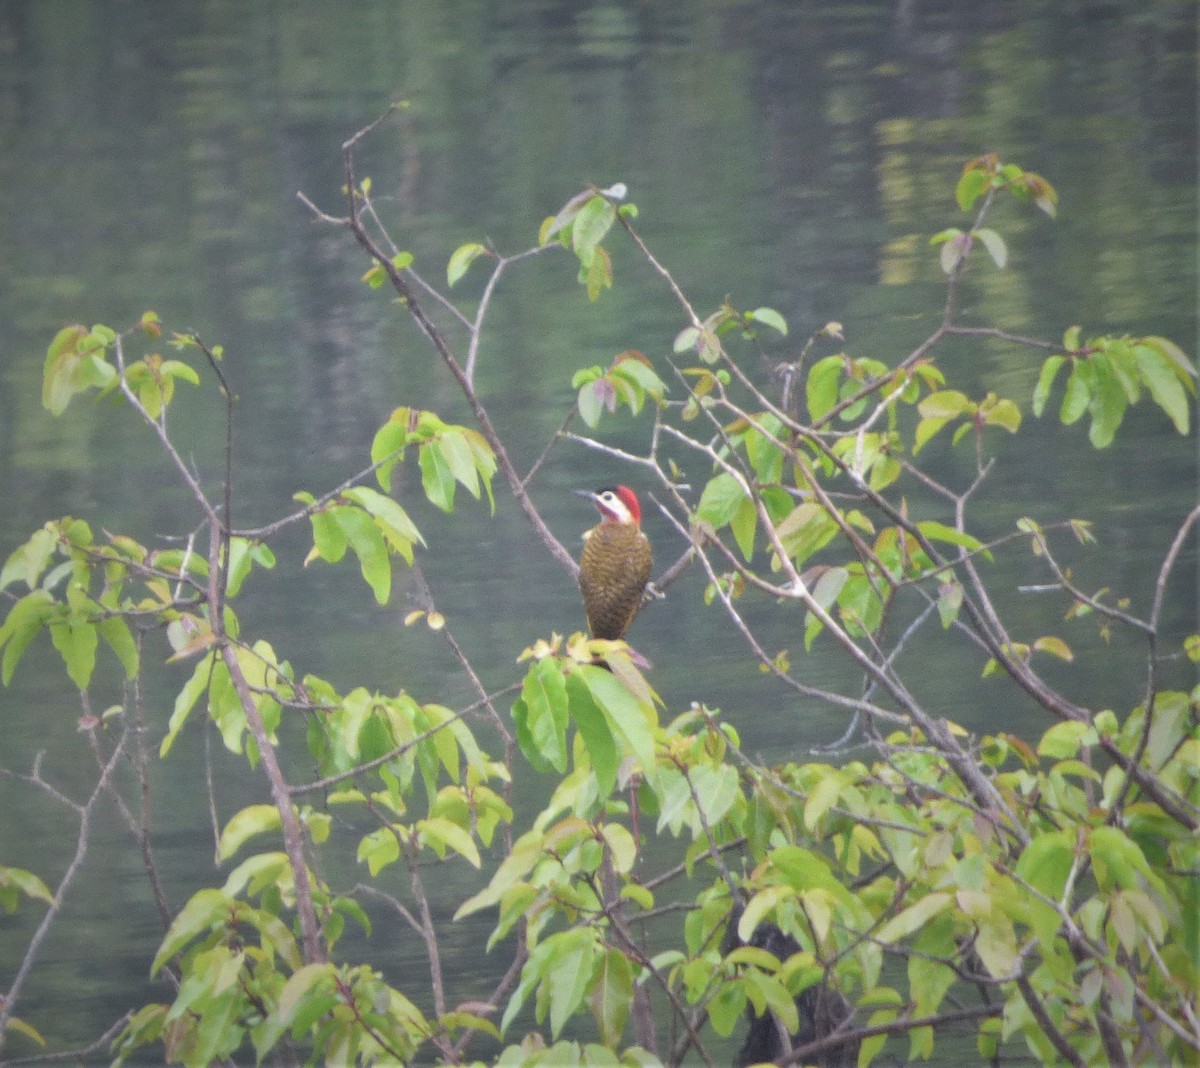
[618, 504]
[631, 502]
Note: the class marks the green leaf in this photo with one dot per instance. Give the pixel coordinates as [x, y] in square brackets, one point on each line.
[439, 832]
[767, 992]
[1162, 379]
[1078, 393]
[22, 1027]
[309, 982]
[726, 1008]
[598, 273]
[950, 597]
[1005, 414]
[622, 849]
[366, 539]
[929, 981]
[148, 386]
[1175, 355]
[1123, 365]
[823, 796]
[825, 593]
[397, 527]
[761, 906]
[631, 719]
[611, 996]
[238, 566]
[387, 447]
[437, 477]
[935, 531]
[744, 524]
[26, 882]
[462, 258]
[770, 317]
[636, 367]
[27, 562]
[202, 912]
[884, 472]
[25, 619]
[971, 186]
[913, 918]
[945, 404]
[708, 346]
[674, 796]
[1055, 647]
[178, 369]
[926, 429]
[717, 787]
[1045, 865]
[954, 252]
[597, 733]
[61, 358]
[1064, 740]
[996, 942]
[379, 849]
[76, 638]
[1118, 861]
[590, 226]
[591, 404]
[570, 973]
[526, 852]
[226, 708]
[541, 716]
[821, 389]
[257, 872]
[961, 433]
[634, 379]
[920, 1044]
[329, 539]
[250, 821]
[560, 223]
[994, 243]
[115, 631]
[942, 236]
[806, 530]
[1045, 196]
[765, 456]
[1107, 405]
[1041, 392]
[466, 1021]
[685, 339]
[720, 501]
[1172, 709]
[484, 459]
[186, 700]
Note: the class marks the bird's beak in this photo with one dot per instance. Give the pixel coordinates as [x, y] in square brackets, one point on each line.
[589, 494]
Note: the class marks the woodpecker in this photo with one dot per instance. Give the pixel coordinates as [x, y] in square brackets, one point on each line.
[615, 564]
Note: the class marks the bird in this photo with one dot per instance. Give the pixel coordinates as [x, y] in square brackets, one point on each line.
[614, 566]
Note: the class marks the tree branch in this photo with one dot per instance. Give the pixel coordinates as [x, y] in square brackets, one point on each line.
[12, 996]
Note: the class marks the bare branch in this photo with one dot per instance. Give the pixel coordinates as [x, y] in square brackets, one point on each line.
[12, 996]
[431, 331]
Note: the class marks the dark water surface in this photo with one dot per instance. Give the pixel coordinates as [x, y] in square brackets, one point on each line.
[796, 155]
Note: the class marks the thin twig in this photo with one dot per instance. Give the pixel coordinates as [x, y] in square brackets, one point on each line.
[12, 996]
[332, 780]
[430, 330]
